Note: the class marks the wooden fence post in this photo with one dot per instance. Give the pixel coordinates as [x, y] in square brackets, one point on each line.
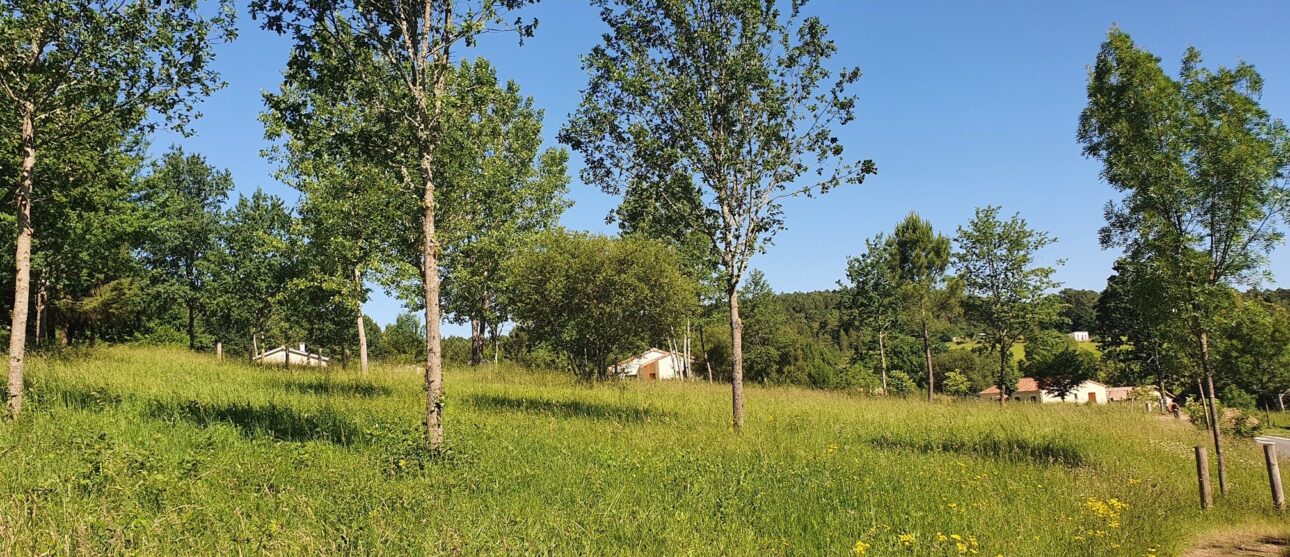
[219, 351]
[1202, 475]
[1274, 477]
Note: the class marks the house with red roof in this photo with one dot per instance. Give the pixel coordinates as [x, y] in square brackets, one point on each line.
[1028, 390]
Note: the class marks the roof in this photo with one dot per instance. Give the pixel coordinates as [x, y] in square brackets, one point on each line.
[647, 357]
[1029, 385]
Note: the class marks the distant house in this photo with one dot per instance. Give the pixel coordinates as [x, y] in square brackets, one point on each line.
[1079, 336]
[284, 356]
[1028, 390]
[652, 365]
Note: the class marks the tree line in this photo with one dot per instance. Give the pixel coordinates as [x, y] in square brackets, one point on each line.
[421, 172]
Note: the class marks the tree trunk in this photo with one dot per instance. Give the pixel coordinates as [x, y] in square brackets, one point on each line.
[882, 355]
[22, 264]
[477, 341]
[703, 347]
[1216, 419]
[361, 325]
[41, 297]
[927, 356]
[430, 285]
[255, 346]
[1003, 371]
[192, 325]
[736, 359]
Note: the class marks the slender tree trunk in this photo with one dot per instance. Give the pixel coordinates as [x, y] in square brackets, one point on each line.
[477, 341]
[1003, 371]
[882, 355]
[1204, 401]
[1216, 419]
[430, 285]
[737, 359]
[255, 346]
[192, 325]
[927, 356]
[703, 347]
[41, 298]
[361, 324]
[22, 264]
[1160, 376]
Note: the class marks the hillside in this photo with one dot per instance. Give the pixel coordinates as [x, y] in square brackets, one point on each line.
[145, 451]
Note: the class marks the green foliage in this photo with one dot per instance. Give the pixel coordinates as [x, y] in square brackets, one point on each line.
[598, 299]
[1006, 288]
[977, 366]
[1251, 350]
[1058, 363]
[1233, 397]
[1079, 308]
[900, 384]
[956, 384]
[404, 340]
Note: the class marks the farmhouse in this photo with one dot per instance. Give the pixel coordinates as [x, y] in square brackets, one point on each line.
[284, 356]
[652, 365]
[1079, 336]
[1028, 390]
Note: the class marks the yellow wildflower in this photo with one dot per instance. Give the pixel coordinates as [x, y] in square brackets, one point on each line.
[860, 548]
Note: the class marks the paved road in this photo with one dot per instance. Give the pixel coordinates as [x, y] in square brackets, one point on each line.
[1283, 445]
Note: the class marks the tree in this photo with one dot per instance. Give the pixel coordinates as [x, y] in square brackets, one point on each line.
[71, 67]
[1058, 363]
[1007, 290]
[1138, 328]
[595, 298]
[500, 189]
[872, 297]
[921, 257]
[184, 199]
[1203, 169]
[251, 268]
[1252, 348]
[729, 97]
[401, 52]
[405, 338]
[956, 384]
[1080, 308]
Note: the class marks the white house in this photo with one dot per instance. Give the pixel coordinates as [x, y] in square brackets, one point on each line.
[284, 356]
[1079, 336]
[652, 365]
[1028, 391]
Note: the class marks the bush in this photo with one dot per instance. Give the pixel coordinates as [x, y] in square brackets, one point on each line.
[900, 384]
[1233, 397]
[956, 384]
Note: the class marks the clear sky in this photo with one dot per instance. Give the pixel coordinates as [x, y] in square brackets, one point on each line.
[962, 104]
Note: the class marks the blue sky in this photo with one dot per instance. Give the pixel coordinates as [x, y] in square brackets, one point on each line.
[962, 104]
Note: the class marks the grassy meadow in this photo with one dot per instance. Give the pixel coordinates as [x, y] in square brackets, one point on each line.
[163, 452]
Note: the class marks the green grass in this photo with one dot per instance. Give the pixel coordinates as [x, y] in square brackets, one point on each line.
[155, 452]
[1019, 350]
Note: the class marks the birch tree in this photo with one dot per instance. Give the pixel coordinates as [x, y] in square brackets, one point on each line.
[734, 98]
[68, 66]
[402, 51]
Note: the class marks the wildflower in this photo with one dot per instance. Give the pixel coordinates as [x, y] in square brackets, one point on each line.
[908, 541]
[833, 447]
[940, 538]
[861, 548]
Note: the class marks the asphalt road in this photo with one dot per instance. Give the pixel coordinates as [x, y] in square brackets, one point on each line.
[1283, 445]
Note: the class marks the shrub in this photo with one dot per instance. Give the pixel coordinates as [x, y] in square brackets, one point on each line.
[956, 384]
[900, 384]
[1233, 397]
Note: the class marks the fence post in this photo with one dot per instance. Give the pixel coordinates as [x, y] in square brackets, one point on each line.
[219, 351]
[1202, 475]
[1274, 477]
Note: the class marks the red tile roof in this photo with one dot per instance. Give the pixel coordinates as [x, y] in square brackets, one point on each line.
[1025, 384]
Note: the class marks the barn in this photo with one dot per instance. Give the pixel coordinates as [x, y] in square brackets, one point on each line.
[652, 365]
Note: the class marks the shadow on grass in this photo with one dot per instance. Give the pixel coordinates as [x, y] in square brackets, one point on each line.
[566, 408]
[325, 388]
[271, 421]
[1042, 451]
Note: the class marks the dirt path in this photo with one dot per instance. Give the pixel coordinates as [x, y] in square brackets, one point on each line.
[1249, 543]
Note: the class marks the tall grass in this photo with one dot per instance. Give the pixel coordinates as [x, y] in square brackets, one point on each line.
[157, 452]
